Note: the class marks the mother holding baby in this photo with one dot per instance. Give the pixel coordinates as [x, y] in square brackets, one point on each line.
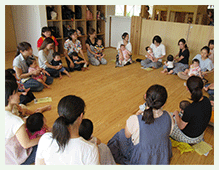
[154, 60]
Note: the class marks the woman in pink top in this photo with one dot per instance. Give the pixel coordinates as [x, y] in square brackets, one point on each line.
[19, 149]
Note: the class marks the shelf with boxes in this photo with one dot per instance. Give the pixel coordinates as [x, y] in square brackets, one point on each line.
[81, 17]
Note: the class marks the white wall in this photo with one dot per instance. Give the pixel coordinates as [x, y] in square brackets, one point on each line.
[119, 25]
[28, 21]
[110, 10]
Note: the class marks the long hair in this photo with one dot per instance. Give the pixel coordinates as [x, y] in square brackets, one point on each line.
[46, 42]
[69, 109]
[195, 85]
[22, 47]
[10, 87]
[124, 35]
[183, 41]
[156, 97]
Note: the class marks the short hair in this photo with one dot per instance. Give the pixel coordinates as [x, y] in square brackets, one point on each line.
[157, 38]
[71, 31]
[30, 61]
[122, 45]
[148, 7]
[206, 48]
[195, 60]
[169, 58]
[183, 104]
[35, 122]
[9, 75]
[10, 70]
[99, 39]
[211, 42]
[73, 54]
[86, 129]
[10, 87]
[146, 48]
[55, 54]
[45, 29]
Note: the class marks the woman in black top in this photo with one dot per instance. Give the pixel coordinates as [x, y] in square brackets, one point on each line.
[182, 62]
[91, 42]
[190, 128]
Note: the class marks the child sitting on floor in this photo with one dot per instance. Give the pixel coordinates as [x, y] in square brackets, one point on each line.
[170, 65]
[124, 57]
[194, 69]
[79, 63]
[56, 61]
[32, 64]
[85, 131]
[182, 105]
[99, 49]
[36, 125]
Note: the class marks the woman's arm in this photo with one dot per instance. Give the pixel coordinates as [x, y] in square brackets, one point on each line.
[21, 75]
[53, 67]
[24, 139]
[89, 49]
[81, 51]
[176, 56]
[127, 133]
[180, 58]
[181, 124]
[66, 55]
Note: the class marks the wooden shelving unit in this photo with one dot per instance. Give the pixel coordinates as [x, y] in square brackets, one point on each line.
[97, 24]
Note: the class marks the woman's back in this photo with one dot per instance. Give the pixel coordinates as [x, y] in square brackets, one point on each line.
[154, 146]
[77, 152]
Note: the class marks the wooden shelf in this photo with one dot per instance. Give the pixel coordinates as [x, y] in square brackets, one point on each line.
[95, 23]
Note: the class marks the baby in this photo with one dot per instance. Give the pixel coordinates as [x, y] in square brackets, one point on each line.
[194, 69]
[169, 64]
[36, 125]
[85, 131]
[99, 49]
[126, 58]
[150, 53]
[79, 63]
[182, 105]
[32, 64]
[57, 61]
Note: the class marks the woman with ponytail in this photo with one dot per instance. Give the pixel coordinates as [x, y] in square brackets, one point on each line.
[190, 128]
[145, 139]
[24, 50]
[64, 146]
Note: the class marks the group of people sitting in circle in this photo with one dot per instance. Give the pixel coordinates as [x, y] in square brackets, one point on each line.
[145, 138]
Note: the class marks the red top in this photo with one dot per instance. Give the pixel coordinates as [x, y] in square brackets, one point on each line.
[41, 39]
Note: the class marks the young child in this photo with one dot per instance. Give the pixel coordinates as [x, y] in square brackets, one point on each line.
[56, 61]
[99, 49]
[79, 63]
[150, 54]
[126, 58]
[45, 33]
[182, 105]
[169, 64]
[194, 69]
[32, 64]
[36, 125]
[211, 54]
[85, 131]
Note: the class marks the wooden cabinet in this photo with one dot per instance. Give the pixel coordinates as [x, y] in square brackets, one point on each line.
[98, 23]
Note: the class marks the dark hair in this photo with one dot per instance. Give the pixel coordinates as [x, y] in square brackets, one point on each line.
[183, 104]
[35, 122]
[195, 60]
[22, 47]
[45, 29]
[124, 35]
[10, 70]
[10, 87]
[69, 109]
[195, 85]
[81, 30]
[146, 48]
[156, 97]
[55, 54]
[157, 38]
[206, 48]
[169, 58]
[99, 39]
[73, 54]
[30, 61]
[71, 31]
[211, 42]
[148, 7]
[90, 31]
[86, 129]
[47, 41]
[9, 75]
[183, 41]
[122, 45]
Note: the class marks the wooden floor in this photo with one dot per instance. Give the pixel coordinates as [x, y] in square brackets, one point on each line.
[113, 94]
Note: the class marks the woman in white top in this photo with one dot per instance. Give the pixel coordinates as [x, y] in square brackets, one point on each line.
[19, 149]
[45, 57]
[125, 41]
[158, 51]
[64, 146]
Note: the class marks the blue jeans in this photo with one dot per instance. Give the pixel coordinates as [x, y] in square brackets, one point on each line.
[36, 86]
[31, 158]
[210, 91]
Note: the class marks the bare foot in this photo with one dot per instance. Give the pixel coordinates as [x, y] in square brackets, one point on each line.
[170, 72]
[163, 71]
[48, 87]
[60, 77]
[43, 109]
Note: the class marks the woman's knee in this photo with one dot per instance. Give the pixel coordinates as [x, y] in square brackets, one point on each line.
[103, 61]
[34, 85]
